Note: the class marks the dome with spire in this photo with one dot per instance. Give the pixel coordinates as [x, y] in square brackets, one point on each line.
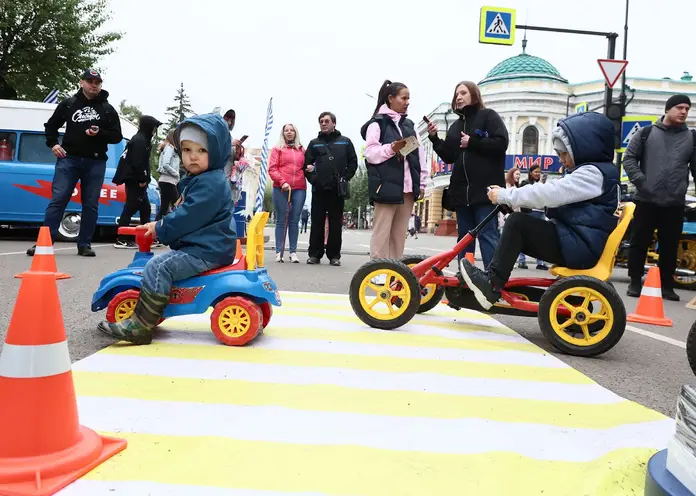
[523, 66]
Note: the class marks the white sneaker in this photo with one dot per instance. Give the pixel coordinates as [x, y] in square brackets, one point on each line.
[279, 258]
[293, 258]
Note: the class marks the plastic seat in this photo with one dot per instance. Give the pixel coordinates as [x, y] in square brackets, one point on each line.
[602, 270]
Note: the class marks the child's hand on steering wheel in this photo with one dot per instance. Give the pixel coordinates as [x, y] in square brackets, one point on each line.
[493, 193]
[150, 227]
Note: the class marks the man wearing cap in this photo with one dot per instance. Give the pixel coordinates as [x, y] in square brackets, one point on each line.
[657, 162]
[91, 124]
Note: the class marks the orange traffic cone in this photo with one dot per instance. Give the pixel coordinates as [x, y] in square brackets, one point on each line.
[44, 259]
[43, 448]
[470, 257]
[238, 255]
[650, 309]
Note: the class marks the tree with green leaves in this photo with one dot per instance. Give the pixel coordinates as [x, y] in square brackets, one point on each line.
[47, 44]
[130, 112]
[359, 198]
[180, 110]
[267, 198]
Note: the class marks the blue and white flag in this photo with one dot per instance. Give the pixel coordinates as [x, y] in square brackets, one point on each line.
[263, 176]
[52, 97]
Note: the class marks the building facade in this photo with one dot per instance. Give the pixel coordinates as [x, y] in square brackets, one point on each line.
[531, 96]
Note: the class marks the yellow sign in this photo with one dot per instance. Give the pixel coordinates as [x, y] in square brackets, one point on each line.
[497, 26]
[581, 107]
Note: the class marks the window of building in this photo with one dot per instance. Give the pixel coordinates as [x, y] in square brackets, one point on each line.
[530, 141]
[32, 148]
[8, 143]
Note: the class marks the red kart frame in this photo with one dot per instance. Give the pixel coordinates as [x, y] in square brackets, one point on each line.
[429, 271]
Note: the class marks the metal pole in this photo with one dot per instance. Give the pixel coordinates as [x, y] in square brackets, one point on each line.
[611, 53]
[623, 79]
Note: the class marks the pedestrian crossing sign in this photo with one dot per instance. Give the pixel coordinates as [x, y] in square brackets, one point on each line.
[630, 125]
[497, 26]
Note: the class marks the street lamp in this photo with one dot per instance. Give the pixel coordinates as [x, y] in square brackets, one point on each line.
[572, 95]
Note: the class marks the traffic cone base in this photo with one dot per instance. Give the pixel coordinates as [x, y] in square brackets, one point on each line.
[650, 309]
[48, 474]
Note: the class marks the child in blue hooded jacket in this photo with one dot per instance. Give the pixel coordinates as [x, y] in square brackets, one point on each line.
[199, 231]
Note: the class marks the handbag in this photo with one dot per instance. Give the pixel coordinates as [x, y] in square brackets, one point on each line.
[343, 185]
[446, 200]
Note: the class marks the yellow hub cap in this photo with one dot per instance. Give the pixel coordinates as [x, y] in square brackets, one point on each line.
[125, 309]
[386, 285]
[234, 321]
[582, 317]
[686, 257]
[427, 292]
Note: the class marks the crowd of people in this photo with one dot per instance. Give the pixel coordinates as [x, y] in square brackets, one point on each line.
[565, 221]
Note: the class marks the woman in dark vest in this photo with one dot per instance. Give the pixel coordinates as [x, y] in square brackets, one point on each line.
[476, 144]
[395, 181]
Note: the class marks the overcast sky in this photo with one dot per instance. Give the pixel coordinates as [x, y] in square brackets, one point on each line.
[313, 55]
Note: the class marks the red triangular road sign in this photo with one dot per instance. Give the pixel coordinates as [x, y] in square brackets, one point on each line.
[612, 70]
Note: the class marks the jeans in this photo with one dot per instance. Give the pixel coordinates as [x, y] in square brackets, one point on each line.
[68, 172]
[280, 205]
[468, 218]
[524, 233]
[163, 270]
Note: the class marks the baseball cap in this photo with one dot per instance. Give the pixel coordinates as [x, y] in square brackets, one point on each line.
[91, 74]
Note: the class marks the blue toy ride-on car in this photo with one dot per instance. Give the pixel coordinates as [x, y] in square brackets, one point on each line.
[241, 294]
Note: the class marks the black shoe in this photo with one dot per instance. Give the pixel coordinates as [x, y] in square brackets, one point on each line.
[335, 262]
[477, 280]
[31, 251]
[669, 294]
[634, 288]
[86, 251]
[313, 261]
[522, 266]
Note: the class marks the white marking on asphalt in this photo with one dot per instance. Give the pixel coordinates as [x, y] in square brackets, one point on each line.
[659, 337]
[55, 249]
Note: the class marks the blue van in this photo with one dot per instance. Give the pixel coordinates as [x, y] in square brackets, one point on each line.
[26, 173]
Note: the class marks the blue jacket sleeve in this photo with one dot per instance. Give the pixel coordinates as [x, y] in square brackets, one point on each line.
[201, 203]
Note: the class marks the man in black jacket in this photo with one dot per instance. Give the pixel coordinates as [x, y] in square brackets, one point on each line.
[330, 163]
[134, 171]
[91, 124]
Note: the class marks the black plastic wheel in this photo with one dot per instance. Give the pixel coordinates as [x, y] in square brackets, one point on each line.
[691, 347]
[582, 336]
[401, 281]
[432, 296]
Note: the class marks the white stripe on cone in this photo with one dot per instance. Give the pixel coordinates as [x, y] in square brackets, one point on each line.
[43, 250]
[33, 361]
[648, 291]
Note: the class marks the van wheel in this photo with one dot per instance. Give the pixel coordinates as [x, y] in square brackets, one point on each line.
[69, 227]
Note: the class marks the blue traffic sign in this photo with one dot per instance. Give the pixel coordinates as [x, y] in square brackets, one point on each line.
[630, 125]
[497, 26]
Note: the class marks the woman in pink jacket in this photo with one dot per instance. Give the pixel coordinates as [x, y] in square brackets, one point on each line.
[395, 181]
[286, 168]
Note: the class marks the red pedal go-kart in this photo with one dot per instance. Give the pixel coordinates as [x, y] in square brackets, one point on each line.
[579, 311]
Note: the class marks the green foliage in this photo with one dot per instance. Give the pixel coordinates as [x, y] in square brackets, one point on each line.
[180, 110]
[130, 112]
[268, 198]
[47, 44]
[358, 193]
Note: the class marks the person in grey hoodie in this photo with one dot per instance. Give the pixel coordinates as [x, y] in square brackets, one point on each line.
[657, 162]
[168, 169]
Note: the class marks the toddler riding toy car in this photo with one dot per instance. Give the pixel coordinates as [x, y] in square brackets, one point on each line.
[579, 311]
[241, 294]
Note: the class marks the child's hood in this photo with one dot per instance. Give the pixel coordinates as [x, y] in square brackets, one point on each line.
[219, 140]
[590, 136]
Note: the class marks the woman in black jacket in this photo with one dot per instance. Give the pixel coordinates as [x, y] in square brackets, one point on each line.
[476, 144]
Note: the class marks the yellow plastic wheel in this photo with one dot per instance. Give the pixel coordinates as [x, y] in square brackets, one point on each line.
[597, 321]
[122, 305]
[686, 259]
[431, 294]
[384, 294]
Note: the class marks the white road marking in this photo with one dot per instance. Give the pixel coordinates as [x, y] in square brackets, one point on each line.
[659, 337]
[55, 249]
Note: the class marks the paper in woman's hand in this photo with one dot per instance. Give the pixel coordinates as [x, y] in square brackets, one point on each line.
[411, 144]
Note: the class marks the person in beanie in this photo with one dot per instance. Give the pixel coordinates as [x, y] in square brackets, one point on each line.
[580, 207]
[657, 162]
[199, 231]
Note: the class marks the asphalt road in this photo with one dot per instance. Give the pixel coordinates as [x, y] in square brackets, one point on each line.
[648, 366]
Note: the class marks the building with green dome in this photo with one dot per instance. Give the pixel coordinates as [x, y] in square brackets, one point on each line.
[531, 95]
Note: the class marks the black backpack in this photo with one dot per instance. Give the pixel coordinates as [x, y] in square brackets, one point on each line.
[121, 168]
